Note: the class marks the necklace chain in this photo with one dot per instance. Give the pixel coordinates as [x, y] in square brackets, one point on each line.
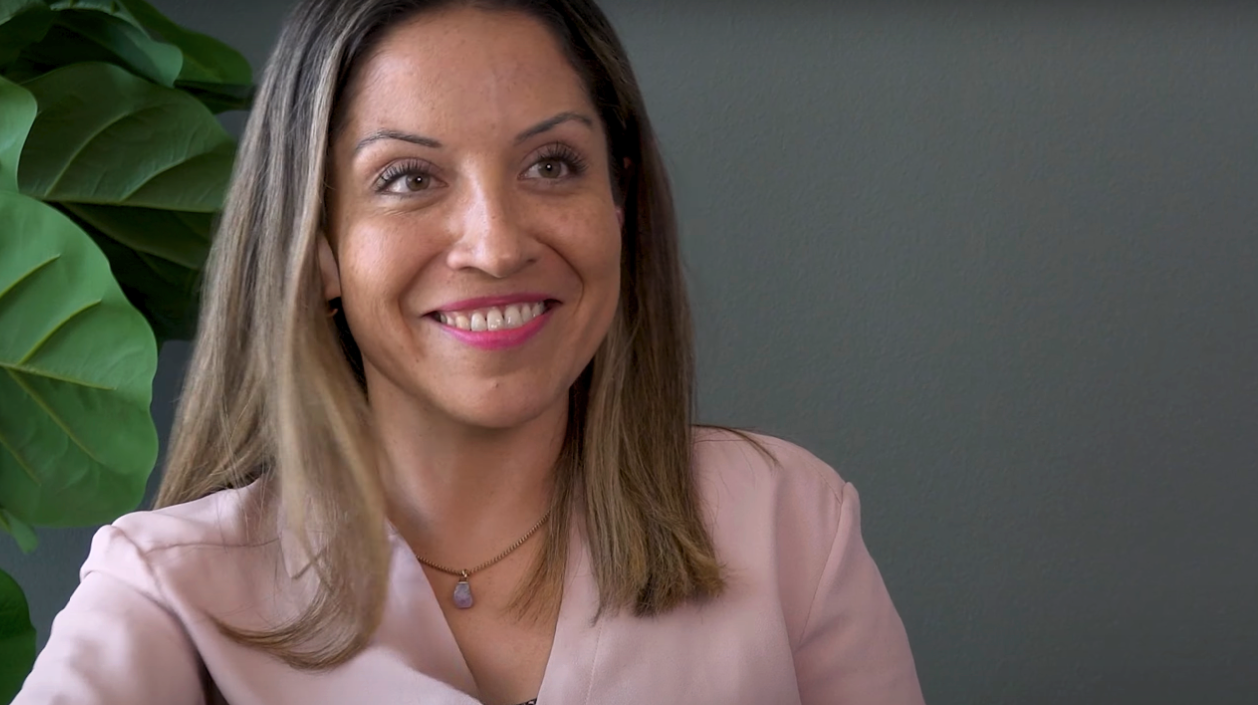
[465, 573]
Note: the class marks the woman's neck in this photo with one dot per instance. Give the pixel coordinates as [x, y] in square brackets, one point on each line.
[457, 492]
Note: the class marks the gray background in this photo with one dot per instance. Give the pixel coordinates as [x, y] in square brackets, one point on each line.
[999, 265]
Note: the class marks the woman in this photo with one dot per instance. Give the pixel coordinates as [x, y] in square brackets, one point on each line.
[435, 445]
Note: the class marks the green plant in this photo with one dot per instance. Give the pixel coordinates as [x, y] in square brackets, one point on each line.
[112, 166]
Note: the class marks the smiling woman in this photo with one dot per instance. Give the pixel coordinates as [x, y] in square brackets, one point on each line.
[436, 441]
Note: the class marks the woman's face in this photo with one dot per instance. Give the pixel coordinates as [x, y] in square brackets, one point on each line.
[474, 238]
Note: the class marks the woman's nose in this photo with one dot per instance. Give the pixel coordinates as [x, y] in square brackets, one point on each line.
[490, 234]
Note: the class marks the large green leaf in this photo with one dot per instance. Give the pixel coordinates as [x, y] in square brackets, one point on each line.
[157, 257]
[207, 61]
[21, 532]
[77, 361]
[131, 33]
[167, 295]
[111, 7]
[86, 31]
[22, 22]
[181, 238]
[17, 112]
[105, 136]
[83, 35]
[17, 638]
[219, 97]
[12, 8]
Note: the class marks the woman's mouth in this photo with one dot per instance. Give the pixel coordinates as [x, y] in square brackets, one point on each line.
[493, 318]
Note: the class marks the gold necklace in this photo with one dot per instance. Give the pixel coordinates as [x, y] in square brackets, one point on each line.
[462, 597]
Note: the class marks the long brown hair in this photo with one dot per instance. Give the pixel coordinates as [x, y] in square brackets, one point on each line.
[272, 393]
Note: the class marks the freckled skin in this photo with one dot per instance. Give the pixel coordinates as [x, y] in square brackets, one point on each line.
[482, 215]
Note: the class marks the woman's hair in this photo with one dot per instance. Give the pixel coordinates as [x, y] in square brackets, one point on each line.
[274, 394]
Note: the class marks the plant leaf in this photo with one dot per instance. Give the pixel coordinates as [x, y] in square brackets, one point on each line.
[20, 530]
[110, 7]
[157, 257]
[206, 60]
[22, 22]
[17, 638]
[167, 295]
[17, 112]
[12, 8]
[105, 136]
[77, 441]
[79, 36]
[178, 237]
[219, 97]
[107, 32]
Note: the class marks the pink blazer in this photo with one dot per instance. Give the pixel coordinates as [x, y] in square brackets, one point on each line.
[806, 618]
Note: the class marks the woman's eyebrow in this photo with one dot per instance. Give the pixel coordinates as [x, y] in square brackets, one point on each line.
[551, 123]
[541, 127]
[396, 135]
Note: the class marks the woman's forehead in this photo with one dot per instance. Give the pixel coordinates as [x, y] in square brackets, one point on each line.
[464, 70]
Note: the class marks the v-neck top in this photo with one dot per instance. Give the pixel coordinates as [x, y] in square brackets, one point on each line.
[805, 619]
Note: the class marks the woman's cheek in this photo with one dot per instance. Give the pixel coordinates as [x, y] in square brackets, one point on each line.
[378, 258]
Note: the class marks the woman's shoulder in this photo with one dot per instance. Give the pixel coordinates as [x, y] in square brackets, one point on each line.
[222, 519]
[755, 483]
[762, 462]
[221, 529]
[777, 515]
[787, 530]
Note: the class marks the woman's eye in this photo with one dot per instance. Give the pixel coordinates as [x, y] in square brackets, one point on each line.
[405, 178]
[550, 168]
[409, 183]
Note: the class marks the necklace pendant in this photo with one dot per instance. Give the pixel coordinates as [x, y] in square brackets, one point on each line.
[463, 594]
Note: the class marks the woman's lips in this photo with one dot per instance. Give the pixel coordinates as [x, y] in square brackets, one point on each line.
[492, 318]
[495, 327]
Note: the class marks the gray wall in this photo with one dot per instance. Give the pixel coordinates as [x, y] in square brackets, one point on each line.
[999, 265]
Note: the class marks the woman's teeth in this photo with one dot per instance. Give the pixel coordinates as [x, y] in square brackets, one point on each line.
[493, 318]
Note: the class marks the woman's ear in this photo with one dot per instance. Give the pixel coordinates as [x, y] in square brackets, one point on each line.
[328, 270]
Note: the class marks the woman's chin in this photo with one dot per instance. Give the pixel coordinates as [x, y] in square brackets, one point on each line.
[471, 401]
[493, 414]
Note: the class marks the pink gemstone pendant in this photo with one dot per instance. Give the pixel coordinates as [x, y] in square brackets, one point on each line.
[463, 594]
